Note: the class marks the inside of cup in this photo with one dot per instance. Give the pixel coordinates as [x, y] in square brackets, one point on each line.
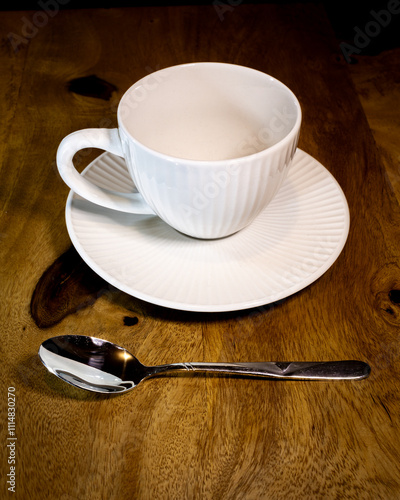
[208, 111]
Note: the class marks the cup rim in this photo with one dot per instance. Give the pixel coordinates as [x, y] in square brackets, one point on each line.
[176, 159]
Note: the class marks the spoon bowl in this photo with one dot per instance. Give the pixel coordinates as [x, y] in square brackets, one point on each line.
[100, 366]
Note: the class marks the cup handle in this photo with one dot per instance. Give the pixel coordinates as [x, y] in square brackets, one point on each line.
[102, 138]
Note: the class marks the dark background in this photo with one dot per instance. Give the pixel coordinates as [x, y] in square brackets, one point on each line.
[344, 15]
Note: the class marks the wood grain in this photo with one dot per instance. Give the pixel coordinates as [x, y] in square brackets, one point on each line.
[377, 82]
[67, 286]
[197, 437]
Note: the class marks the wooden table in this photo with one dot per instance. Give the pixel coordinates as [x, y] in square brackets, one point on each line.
[197, 437]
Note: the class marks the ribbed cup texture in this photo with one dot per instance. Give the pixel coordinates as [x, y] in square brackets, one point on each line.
[209, 199]
[288, 246]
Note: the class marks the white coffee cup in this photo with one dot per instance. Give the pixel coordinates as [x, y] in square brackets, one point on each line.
[208, 146]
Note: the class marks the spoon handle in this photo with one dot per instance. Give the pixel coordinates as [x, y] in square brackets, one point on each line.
[321, 370]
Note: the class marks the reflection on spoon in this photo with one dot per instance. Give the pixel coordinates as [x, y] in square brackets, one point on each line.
[101, 366]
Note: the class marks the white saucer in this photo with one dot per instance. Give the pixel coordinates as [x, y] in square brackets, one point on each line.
[290, 245]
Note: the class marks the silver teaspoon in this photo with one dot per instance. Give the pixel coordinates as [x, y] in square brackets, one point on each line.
[101, 366]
